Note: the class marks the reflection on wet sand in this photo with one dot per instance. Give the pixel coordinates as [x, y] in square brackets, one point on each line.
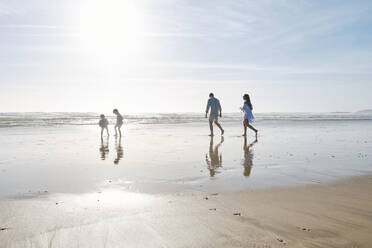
[248, 157]
[214, 161]
[119, 150]
[104, 148]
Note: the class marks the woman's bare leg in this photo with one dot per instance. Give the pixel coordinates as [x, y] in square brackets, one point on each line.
[254, 129]
[245, 127]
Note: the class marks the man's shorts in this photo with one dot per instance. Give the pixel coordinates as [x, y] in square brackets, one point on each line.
[213, 117]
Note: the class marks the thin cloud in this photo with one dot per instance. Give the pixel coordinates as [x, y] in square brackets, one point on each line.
[269, 68]
[30, 26]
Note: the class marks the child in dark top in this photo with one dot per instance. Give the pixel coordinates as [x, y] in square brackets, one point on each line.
[103, 123]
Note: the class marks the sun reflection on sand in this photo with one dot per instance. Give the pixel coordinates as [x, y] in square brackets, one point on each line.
[107, 198]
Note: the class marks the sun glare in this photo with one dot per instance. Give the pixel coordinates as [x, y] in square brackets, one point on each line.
[110, 28]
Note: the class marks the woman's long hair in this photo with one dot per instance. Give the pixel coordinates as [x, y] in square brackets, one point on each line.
[247, 100]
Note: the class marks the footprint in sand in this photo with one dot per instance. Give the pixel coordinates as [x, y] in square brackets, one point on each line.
[280, 240]
[304, 229]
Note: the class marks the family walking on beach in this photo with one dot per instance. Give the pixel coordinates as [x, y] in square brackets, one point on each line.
[213, 105]
[216, 111]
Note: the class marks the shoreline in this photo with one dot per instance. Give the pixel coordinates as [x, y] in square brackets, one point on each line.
[335, 214]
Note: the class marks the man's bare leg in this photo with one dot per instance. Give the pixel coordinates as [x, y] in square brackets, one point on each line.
[219, 126]
[211, 128]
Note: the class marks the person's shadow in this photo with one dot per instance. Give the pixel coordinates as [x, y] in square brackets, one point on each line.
[214, 160]
[247, 162]
[104, 148]
[119, 150]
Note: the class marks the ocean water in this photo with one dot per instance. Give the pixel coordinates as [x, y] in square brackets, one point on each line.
[45, 153]
[28, 119]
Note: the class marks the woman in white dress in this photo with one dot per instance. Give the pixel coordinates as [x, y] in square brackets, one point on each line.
[248, 115]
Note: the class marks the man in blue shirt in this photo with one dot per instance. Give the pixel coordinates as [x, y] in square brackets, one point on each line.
[216, 110]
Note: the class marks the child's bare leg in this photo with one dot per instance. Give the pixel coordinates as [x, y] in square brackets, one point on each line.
[101, 132]
[119, 131]
[116, 133]
[107, 131]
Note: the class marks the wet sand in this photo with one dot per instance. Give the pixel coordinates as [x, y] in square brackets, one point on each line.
[328, 215]
[302, 184]
[168, 158]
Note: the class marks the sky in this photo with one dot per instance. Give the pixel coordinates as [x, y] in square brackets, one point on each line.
[168, 55]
